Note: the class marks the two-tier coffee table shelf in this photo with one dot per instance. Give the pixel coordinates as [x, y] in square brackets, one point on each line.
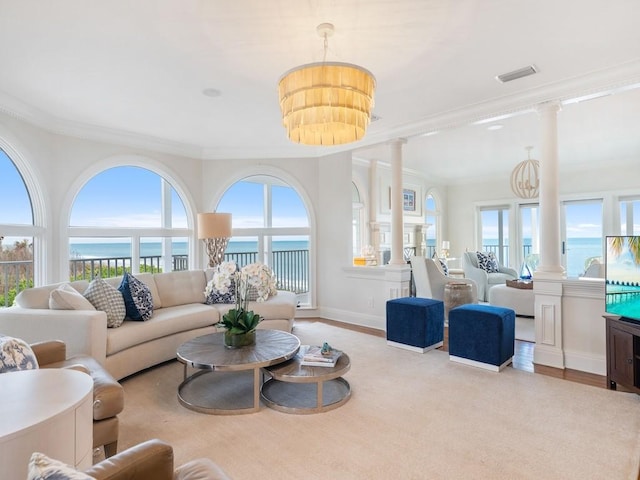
[296, 388]
[227, 381]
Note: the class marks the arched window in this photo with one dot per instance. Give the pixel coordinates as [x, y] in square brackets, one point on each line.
[17, 233]
[127, 218]
[270, 225]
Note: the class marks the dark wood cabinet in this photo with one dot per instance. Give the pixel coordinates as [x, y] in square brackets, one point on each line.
[623, 353]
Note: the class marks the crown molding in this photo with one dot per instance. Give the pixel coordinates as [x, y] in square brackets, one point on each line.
[620, 76]
[594, 83]
[21, 111]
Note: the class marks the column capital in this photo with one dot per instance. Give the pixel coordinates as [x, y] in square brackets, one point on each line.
[552, 106]
[397, 141]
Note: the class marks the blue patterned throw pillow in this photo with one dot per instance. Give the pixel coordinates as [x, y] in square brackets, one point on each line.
[138, 301]
[440, 263]
[444, 267]
[488, 262]
[16, 354]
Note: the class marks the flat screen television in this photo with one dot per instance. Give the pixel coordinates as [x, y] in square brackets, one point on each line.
[622, 276]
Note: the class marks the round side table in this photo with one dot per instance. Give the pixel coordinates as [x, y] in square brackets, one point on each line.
[456, 294]
[48, 410]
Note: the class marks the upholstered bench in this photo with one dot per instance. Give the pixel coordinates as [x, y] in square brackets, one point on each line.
[415, 323]
[482, 336]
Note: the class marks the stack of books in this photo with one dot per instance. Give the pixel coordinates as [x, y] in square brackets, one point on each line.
[312, 356]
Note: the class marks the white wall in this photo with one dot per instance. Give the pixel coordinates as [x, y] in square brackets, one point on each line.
[60, 164]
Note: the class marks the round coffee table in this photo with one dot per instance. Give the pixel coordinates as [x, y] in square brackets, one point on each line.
[296, 388]
[228, 379]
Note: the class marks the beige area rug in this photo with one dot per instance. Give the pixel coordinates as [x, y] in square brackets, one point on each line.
[525, 329]
[411, 416]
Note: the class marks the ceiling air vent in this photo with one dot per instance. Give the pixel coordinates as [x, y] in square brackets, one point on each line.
[521, 72]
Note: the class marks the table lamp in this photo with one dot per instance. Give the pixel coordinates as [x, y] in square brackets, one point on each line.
[214, 229]
[445, 248]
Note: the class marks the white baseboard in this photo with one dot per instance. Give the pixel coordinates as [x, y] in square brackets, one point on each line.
[355, 318]
[585, 362]
[548, 356]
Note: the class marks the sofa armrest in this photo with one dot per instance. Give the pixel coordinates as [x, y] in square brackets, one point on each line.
[152, 459]
[51, 351]
[83, 331]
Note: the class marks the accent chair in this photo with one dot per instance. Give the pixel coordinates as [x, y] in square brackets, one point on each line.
[108, 394]
[484, 279]
[430, 281]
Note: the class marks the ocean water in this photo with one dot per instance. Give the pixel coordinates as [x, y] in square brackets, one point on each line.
[578, 250]
[151, 249]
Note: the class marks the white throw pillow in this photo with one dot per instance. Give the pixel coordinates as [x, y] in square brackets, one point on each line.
[107, 299]
[65, 297]
[42, 467]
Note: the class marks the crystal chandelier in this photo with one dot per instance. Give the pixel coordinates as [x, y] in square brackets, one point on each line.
[327, 103]
[524, 178]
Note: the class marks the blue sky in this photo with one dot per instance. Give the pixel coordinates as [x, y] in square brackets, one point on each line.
[131, 197]
[14, 193]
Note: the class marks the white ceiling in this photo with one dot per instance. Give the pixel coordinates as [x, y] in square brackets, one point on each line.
[101, 69]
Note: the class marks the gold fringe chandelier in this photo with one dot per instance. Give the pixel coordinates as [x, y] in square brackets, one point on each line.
[327, 103]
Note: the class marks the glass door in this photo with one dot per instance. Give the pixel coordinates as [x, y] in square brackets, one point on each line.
[582, 241]
[495, 232]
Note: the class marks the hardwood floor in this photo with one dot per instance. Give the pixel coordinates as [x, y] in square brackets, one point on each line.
[522, 358]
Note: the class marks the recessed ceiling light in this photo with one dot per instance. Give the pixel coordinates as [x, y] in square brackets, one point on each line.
[211, 92]
[495, 126]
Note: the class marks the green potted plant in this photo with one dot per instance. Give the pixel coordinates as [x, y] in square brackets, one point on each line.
[240, 323]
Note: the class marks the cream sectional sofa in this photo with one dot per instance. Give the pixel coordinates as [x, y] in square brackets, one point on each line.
[179, 314]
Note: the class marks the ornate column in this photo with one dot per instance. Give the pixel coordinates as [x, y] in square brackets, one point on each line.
[397, 257]
[549, 274]
[397, 273]
[550, 265]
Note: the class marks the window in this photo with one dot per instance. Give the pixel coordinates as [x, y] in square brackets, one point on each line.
[270, 225]
[432, 216]
[17, 233]
[630, 216]
[127, 218]
[494, 232]
[583, 238]
[529, 251]
[357, 223]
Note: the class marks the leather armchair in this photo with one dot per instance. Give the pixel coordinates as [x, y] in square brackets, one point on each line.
[108, 395]
[483, 279]
[153, 459]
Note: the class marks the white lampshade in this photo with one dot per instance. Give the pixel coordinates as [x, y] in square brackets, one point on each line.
[445, 244]
[214, 225]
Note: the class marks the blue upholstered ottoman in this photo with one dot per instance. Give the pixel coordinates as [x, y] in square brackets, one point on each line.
[415, 323]
[482, 336]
